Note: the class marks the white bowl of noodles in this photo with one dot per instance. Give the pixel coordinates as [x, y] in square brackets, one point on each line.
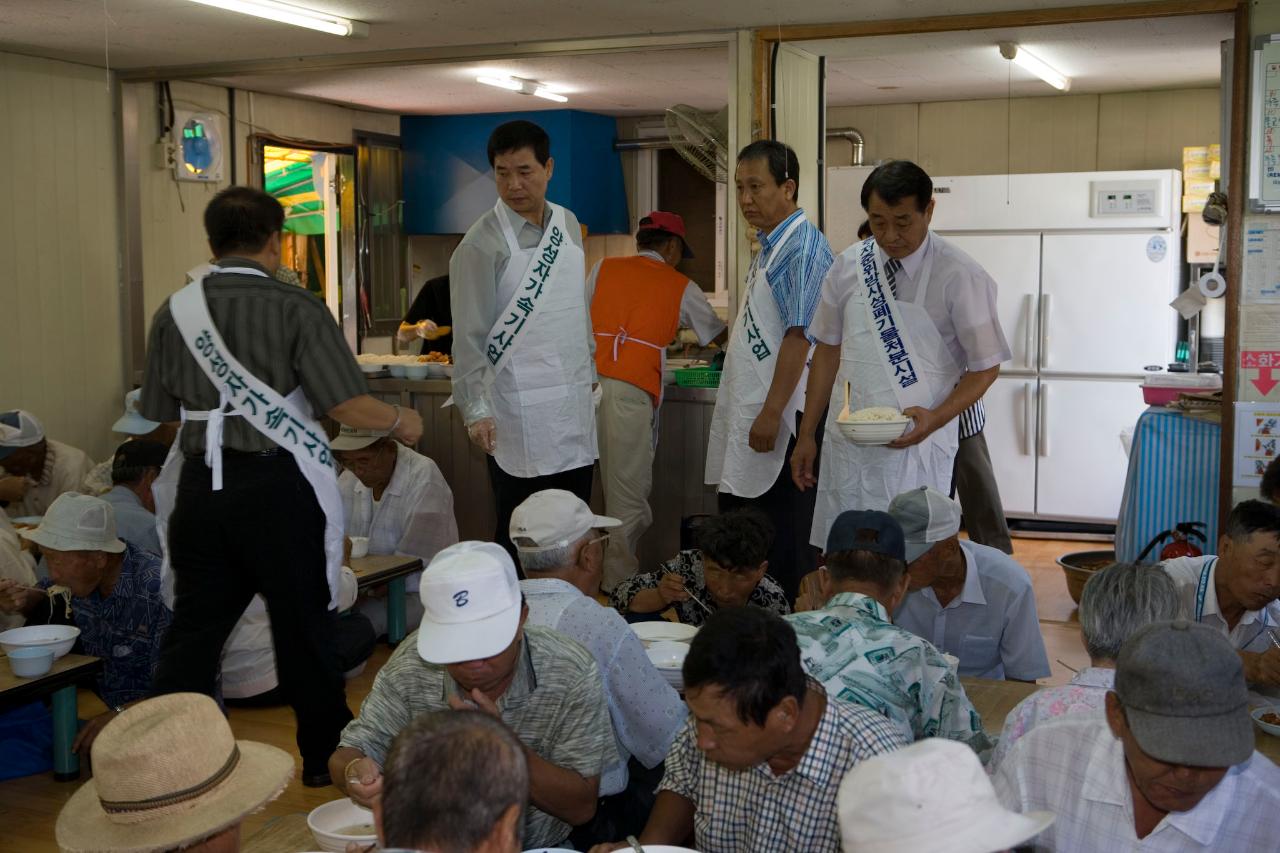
[58, 638]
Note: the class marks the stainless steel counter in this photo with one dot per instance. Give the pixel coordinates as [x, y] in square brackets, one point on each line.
[678, 489]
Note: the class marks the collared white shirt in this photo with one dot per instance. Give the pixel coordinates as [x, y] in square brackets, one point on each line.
[991, 625]
[1250, 634]
[414, 515]
[645, 710]
[961, 301]
[695, 311]
[1075, 768]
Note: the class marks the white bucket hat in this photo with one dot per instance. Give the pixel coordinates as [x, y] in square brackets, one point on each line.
[132, 422]
[554, 518]
[77, 522]
[19, 429]
[927, 517]
[350, 438]
[930, 796]
[470, 603]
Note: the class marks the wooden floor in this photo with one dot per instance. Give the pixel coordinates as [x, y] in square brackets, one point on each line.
[29, 806]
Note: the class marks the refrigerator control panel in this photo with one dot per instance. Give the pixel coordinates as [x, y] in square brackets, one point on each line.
[1124, 198]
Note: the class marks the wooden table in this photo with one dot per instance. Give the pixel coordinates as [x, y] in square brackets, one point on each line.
[60, 682]
[390, 569]
[285, 834]
[995, 699]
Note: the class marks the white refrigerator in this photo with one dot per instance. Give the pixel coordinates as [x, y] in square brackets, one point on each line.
[1086, 264]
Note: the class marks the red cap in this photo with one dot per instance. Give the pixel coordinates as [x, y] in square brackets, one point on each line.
[670, 223]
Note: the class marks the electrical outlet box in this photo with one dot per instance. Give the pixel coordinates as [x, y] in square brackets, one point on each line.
[164, 154]
[1124, 198]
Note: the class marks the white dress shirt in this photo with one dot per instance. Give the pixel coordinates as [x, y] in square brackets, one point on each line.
[1075, 768]
[1250, 634]
[991, 625]
[414, 515]
[645, 710]
[961, 301]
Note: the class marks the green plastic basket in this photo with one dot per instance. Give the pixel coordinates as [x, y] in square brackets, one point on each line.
[698, 377]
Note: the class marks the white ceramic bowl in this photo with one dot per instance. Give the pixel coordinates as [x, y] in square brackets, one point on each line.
[668, 655]
[873, 432]
[369, 367]
[59, 638]
[1269, 728]
[31, 662]
[327, 822]
[417, 371]
[397, 370]
[359, 547]
[435, 369]
[446, 370]
[663, 631]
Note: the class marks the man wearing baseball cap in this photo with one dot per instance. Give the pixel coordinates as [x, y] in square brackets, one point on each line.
[137, 428]
[969, 600]
[561, 545]
[637, 305]
[1171, 767]
[473, 650]
[115, 599]
[35, 469]
[851, 646]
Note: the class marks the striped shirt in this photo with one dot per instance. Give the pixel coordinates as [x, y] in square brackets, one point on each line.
[554, 704]
[973, 420]
[283, 335]
[796, 275]
[754, 811]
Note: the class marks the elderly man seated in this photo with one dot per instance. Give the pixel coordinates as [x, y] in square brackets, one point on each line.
[727, 569]
[397, 498]
[35, 469]
[561, 545]
[758, 764]
[1117, 601]
[115, 598]
[138, 428]
[852, 648]
[134, 468]
[472, 800]
[928, 797]
[169, 775]
[473, 650]
[967, 599]
[1171, 766]
[1235, 592]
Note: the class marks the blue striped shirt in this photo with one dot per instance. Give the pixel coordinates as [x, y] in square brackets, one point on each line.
[796, 275]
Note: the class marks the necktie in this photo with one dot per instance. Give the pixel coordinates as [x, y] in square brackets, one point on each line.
[891, 268]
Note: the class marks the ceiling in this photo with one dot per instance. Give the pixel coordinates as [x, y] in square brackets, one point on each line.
[1122, 56]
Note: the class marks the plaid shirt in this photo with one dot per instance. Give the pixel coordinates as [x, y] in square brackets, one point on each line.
[754, 811]
[860, 656]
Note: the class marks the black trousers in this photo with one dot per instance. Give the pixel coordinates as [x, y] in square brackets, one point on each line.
[262, 533]
[510, 491]
[974, 482]
[791, 511]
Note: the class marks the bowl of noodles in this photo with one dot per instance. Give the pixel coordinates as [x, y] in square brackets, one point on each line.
[58, 638]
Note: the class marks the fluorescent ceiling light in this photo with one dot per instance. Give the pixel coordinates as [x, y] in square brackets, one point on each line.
[1035, 65]
[544, 92]
[286, 13]
[501, 82]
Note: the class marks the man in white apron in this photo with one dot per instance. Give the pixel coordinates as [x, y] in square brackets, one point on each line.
[523, 352]
[907, 321]
[248, 500]
[761, 393]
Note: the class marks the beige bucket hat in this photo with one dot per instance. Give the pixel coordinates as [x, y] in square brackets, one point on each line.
[168, 772]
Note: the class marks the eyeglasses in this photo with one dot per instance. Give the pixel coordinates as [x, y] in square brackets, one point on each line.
[603, 539]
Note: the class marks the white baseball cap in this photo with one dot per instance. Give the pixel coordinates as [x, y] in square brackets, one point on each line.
[19, 429]
[350, 438]
[927, 517]
[932, 795]
[76, 522]
[132, 422]
[470, 603]
[554, 518]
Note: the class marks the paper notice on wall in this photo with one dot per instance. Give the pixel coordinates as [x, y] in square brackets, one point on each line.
[1257, 442]
[1261, 264]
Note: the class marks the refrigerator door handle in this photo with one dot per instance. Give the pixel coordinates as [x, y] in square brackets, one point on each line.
[1044, 330]
[1028, 425]
[1044, 418]
[1029, 317]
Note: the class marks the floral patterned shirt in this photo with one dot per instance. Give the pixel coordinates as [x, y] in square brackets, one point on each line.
[688, 565]
[1086, 693]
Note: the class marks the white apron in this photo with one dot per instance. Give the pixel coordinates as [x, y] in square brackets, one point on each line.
[541, 390]
[879, 374]
[288, 421]
[749, 364]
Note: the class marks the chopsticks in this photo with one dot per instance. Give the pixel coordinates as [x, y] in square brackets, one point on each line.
[1274, 641]
[704, 606]
[635, 845]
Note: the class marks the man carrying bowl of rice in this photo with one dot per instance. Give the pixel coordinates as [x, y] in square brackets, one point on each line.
[907, 321]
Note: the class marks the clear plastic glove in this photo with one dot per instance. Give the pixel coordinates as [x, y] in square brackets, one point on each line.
[484, 434]
[426, 329]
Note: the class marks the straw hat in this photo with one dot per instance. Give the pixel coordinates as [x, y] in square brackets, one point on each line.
[168, 773]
